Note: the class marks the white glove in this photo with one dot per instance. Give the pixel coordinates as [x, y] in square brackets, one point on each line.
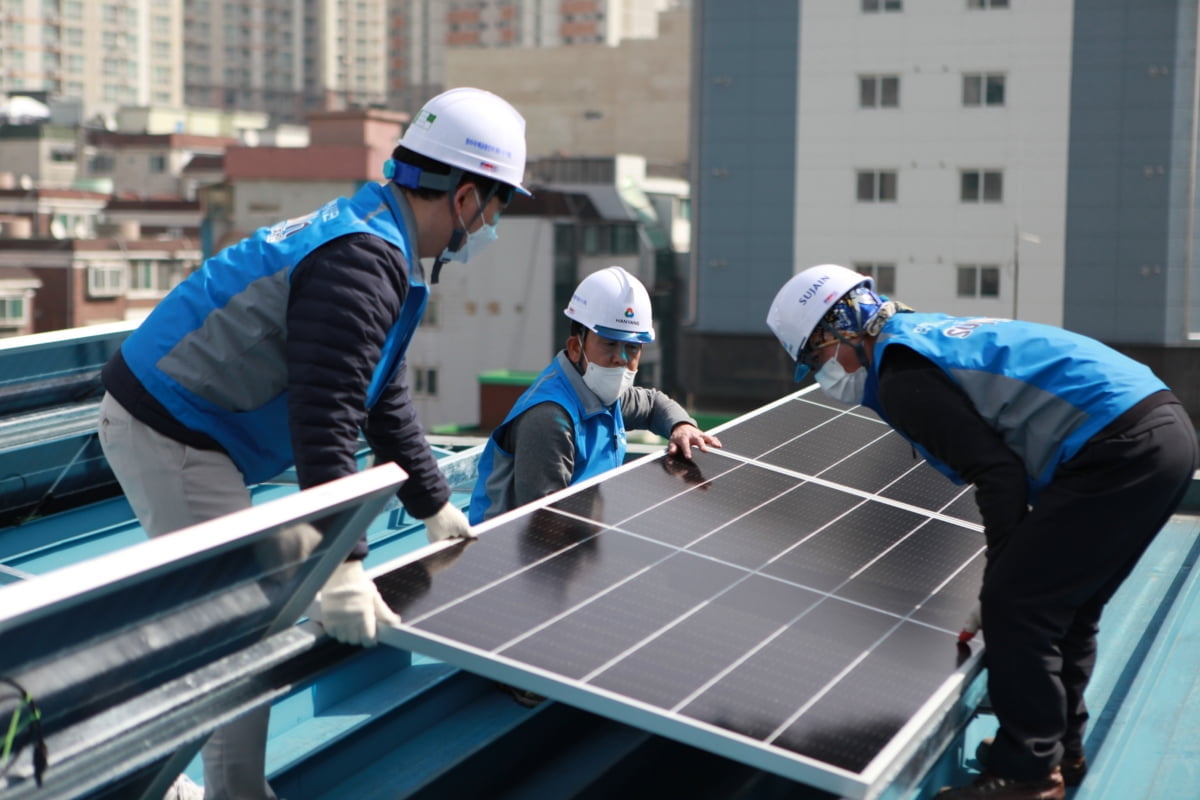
[351, 608]
[448, 523]
[972, 625]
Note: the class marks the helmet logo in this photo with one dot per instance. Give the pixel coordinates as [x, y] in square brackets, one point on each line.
[487, 165]
[424, 119]
[629, 313]
[811, 291]
[487, 147]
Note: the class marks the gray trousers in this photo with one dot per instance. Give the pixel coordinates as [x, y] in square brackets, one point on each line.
[171, 486]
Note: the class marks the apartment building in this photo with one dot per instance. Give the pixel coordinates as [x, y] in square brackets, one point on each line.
[287, 58]
[70, 283]
[108, 53]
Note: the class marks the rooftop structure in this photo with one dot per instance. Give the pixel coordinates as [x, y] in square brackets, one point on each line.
[388, 722]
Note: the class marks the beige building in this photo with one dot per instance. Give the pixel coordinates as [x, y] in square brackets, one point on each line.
[424, 33]
[267, 184]
[595, 100]
[38, 155]
[144, 164]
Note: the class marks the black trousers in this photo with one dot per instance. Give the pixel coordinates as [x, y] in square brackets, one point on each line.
[1044, 588]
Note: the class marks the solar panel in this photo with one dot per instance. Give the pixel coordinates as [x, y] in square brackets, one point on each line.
[791, 601]
[108, 633]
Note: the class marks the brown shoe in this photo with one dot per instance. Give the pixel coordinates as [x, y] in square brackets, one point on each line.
[992, 787]
[1074, 765]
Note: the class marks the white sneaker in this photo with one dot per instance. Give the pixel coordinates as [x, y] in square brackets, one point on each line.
[184, 788]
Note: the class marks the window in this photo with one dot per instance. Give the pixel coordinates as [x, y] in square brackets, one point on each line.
[430, 318]
[983, 89]
[875, 6]
[878, 91]
[876, 186]
[101, 163]
[624, 239]
[142, 276]
[615, 238]
[158, 164]
[987, 3]
[591, 239]
[106, 280]
[883, 273]
[978, 280]
[981, 186]
[12, 310]
[424, 381]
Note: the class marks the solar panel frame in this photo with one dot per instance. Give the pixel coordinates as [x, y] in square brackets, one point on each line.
[116, 668]
[503, 648]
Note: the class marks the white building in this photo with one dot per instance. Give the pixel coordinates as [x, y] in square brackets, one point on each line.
[503, 310]
[990, 157]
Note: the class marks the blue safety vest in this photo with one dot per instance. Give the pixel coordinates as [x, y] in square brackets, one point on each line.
[599, 441]
[1046, 390]
[213, 351]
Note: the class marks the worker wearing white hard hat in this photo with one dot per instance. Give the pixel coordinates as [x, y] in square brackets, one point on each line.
[285, 347]
[571, 423]
[1078, 454]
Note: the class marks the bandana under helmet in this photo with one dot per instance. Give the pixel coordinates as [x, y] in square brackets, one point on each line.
[853, 313]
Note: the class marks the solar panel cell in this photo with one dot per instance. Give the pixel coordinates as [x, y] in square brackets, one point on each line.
[770, 530]
[606, 629]
[829, 558]
[773, 685]
[697, 649]
[756, 435]
[914, 568]
[860, 714]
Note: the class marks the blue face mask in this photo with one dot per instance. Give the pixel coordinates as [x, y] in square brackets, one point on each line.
[476, 240]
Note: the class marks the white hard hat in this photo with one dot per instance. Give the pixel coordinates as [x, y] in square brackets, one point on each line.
[804, 301]
[474, 130]
[613, 304]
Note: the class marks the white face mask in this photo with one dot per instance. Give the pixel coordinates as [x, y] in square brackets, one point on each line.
[476, 240]
[608, 383]
[845, 387]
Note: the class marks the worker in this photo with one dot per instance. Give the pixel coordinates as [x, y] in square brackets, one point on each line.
[1078, 454]
[571, 424]
[282, 348]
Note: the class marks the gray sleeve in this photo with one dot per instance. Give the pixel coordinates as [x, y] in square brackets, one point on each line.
[649, 409]
[542, 441]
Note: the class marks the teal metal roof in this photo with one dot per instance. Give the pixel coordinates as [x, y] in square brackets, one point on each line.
[384, 723]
